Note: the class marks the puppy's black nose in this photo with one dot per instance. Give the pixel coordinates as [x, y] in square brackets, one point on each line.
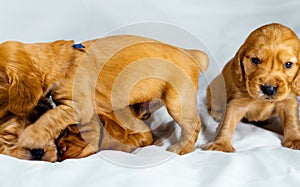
[37, 154]
[268, 90]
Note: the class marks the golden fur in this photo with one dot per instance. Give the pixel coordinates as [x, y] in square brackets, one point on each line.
[10, 129]
[13, 125]
[104, 78]
[260, 67]
[296, 84]
[72, 142]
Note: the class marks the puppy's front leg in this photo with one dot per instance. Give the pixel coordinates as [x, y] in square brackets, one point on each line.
[233, 115]
[48, 126]
[288, 113]
[75, 105]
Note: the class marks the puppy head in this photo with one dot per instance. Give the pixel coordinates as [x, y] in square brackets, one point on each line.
[70, 143]
[10, 129]
[267, 62]
[27, 72]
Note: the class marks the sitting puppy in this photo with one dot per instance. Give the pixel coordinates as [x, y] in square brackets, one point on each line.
[256, 85]
[102, 77]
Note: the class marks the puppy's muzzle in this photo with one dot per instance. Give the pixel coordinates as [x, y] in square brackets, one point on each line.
[268, 90]
[37, 154]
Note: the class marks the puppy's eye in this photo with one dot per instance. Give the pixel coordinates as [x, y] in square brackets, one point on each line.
[288, 65]
[255, 61]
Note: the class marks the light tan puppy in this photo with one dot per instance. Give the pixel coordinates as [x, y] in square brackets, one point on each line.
[256, 85]
[104, 78]
[10, 129]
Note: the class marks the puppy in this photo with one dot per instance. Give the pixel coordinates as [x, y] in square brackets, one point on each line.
[256, 85]
[73, 142]
[9, 133]
[12, 126]
[103, 77]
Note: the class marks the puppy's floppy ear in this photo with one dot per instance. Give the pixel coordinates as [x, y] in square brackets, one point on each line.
[237, 67]
[4, 85]
[24, 91]
[296, 84]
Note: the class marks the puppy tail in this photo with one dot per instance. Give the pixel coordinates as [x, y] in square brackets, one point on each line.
[200, 58]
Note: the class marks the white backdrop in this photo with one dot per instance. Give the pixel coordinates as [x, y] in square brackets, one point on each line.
[217, 27]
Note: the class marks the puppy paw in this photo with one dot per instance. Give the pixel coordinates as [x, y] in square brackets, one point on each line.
[177, 148]
[293, 144]
[50, 152]
[33, 137]
[217, 116]
[214, 146]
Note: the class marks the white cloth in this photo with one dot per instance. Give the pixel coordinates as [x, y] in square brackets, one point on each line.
[217, 27]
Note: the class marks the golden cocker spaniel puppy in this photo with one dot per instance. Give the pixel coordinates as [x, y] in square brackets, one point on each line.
[103, 77]
[256, 85]
[10, 129]
[72, 142]
[13, 125]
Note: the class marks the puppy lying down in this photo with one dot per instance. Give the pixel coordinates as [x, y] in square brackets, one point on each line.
[100, 80]
[256, 85]
[71, 142]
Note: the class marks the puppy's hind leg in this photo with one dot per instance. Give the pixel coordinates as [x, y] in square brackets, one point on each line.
[126, 128]
[90, 133]
[182, 108]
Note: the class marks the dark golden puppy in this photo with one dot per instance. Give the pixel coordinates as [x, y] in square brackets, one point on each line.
[73, 142]
[102, 77]
[256, 85]
[77, 141]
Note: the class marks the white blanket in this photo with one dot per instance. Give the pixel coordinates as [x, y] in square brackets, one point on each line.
[217, 27]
